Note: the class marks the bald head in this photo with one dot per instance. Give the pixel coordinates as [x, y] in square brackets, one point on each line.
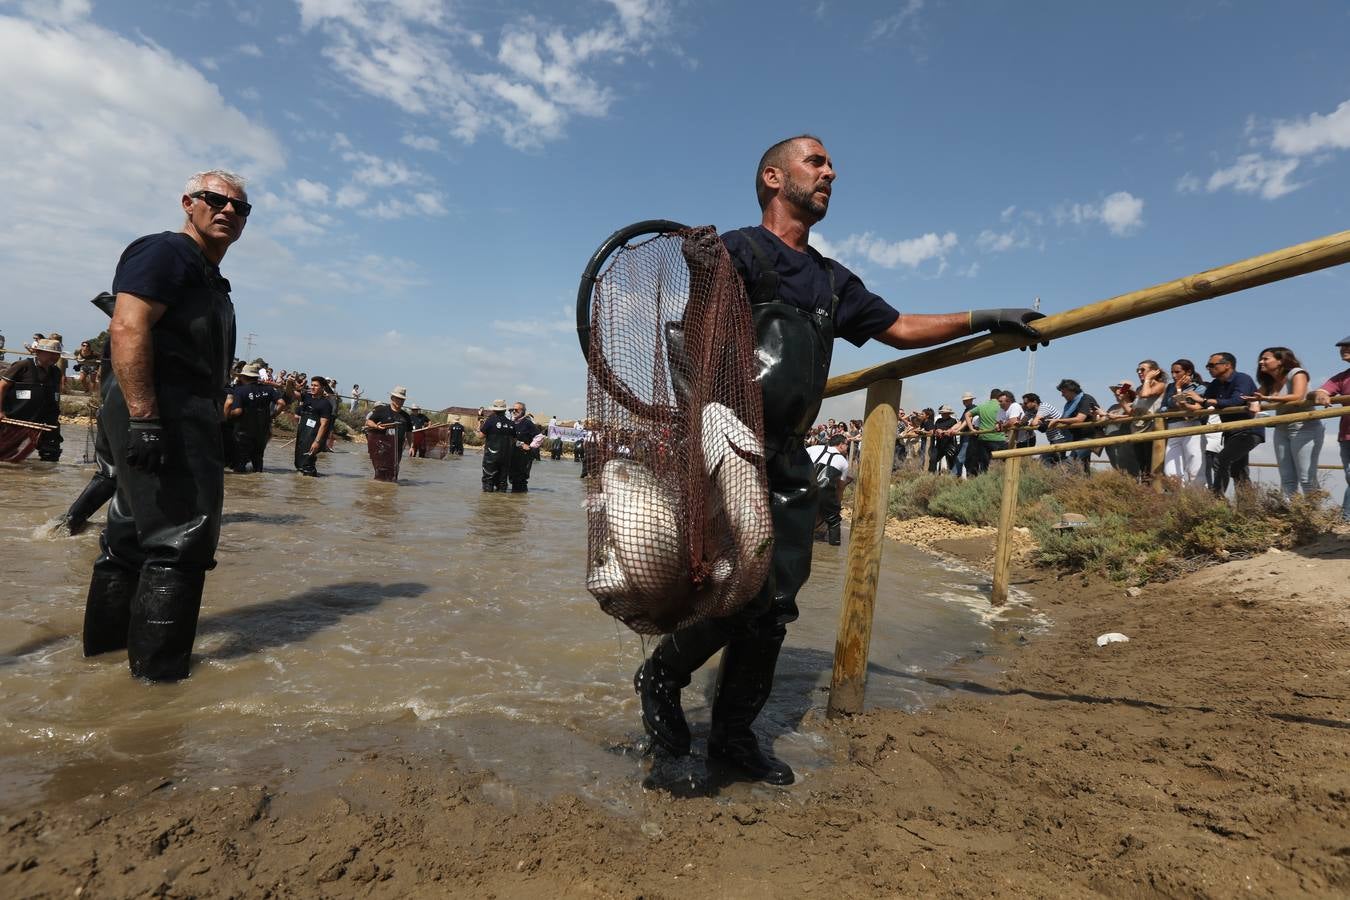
[776, 157]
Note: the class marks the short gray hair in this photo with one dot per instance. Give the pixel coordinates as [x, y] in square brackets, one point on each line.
[197, 182]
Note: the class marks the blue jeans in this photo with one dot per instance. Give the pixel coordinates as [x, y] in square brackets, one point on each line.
[1297, 447]
[1345, 461]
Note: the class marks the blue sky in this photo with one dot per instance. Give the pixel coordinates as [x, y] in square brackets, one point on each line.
[430, 177]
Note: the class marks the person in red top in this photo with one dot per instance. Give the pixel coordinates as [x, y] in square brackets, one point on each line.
[1339, 385]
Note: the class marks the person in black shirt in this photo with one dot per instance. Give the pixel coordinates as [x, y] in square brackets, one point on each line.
[1227, 395]
[498, 443]
[944, 444]
[250, 408]
[314, 418]
[30, 389]
[172, 336]
[456, 438]
[1079, 407]
[419, 422]
[386, 417]
[524, 452]
[800, 301]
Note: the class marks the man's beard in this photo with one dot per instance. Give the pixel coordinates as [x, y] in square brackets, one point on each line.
[805, 198]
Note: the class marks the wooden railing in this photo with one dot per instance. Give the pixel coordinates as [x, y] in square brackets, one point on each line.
[883, 385]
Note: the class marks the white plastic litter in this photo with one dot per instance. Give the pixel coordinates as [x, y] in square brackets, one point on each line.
[1111, 637]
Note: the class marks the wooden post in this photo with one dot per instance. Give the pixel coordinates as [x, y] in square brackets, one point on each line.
[1007, 519]
[1159, 457]
[866, 534]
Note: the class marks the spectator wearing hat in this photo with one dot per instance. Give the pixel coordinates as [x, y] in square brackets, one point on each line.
[393, 415]
[250, 407]
[944, 444]
[30, 391]
[832, 476]
[1339, 386]
[498, 442]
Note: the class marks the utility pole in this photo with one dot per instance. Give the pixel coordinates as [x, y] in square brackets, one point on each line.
[1031, 357]
[248, 349]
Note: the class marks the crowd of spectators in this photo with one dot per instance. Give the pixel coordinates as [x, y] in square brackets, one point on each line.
[960, 442]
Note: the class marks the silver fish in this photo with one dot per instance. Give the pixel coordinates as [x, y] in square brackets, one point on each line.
[642, 520]
[731, 455]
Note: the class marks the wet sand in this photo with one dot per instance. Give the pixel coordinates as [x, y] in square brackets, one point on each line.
[1207, 757]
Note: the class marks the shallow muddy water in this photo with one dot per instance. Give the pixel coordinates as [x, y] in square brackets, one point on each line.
[348, 615]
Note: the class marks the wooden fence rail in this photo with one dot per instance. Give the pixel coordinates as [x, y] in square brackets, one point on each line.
[1012, 473]
[849, 677]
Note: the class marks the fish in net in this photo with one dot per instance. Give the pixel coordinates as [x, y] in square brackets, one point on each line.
[678, 524]
[383, 446]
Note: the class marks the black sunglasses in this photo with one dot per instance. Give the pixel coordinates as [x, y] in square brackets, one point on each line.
[218, 201]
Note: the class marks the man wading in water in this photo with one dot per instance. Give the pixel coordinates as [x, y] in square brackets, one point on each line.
[172, 336]
[800, 302]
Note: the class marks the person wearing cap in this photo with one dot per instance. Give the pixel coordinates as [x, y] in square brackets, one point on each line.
[832, 476]
[30, 391]
[944, 448]
[1338, 385]
[314, 418]
[456, 438]
[801, 301]
[523, 453]
[172, 335]
[499, 438]
[250, 407]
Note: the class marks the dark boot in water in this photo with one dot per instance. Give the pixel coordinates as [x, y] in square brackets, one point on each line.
[107, 610]
[660, 679]
[164, 623]
[744, 685]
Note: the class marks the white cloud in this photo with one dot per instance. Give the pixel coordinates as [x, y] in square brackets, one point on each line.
[249, 50]
[421, 142]
[1122, 213]
[998, 241]
[907, 16]
[1315, 133]
[912, 253]
[414, 54]
[1255, 174]
[1189, 184]
[307, 191]
[93, 103]
[540, 327]
[63, 11]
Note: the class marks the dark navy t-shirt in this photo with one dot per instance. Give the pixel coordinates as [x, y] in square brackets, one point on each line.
[249, 395]
[804, 282]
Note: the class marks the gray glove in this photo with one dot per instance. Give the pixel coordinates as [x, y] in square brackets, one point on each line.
[145, 445]
[1008, 321]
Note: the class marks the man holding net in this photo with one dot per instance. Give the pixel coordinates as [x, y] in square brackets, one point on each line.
[800, 302]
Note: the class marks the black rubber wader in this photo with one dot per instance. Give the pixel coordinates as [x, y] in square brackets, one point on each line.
[794, 348]
[252, 431]
[160, 538]
[100, 488]
[497, 446]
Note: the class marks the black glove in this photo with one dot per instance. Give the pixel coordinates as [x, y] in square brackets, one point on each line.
[145, 445]
[1008, 321]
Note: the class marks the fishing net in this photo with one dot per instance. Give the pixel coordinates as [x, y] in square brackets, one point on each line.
[437, 441]
[382, 444]
[17, 441]
[677, 504]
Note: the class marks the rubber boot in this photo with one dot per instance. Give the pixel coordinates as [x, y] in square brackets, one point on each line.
[659, 680]
[743, 687]
[164, 622]
[97, 492]
[107, 610]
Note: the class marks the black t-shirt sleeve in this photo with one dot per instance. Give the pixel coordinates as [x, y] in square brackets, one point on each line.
[862, 315]
[17, 371]
[1089, 405]
[156, 267]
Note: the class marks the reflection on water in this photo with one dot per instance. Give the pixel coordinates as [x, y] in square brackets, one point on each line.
[348, 612]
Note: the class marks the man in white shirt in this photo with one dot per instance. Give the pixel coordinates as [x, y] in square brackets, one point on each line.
[1009, 412]
[831, 463]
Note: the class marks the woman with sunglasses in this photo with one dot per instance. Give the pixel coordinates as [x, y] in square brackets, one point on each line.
[1282, 379]
[1185, 459]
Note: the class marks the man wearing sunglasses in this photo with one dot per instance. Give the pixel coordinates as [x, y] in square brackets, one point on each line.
[172, 337]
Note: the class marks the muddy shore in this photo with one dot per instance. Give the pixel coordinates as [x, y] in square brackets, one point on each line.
[1208, 756]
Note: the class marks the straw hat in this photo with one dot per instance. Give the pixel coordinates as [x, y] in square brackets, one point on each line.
[400, 392]
[944, 408]
[46, 345]
[414, 407]
[250, 370]
[967, 396]
[498, 406]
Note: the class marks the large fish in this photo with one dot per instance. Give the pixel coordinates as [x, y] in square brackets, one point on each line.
[732, 455]
[642, 519]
